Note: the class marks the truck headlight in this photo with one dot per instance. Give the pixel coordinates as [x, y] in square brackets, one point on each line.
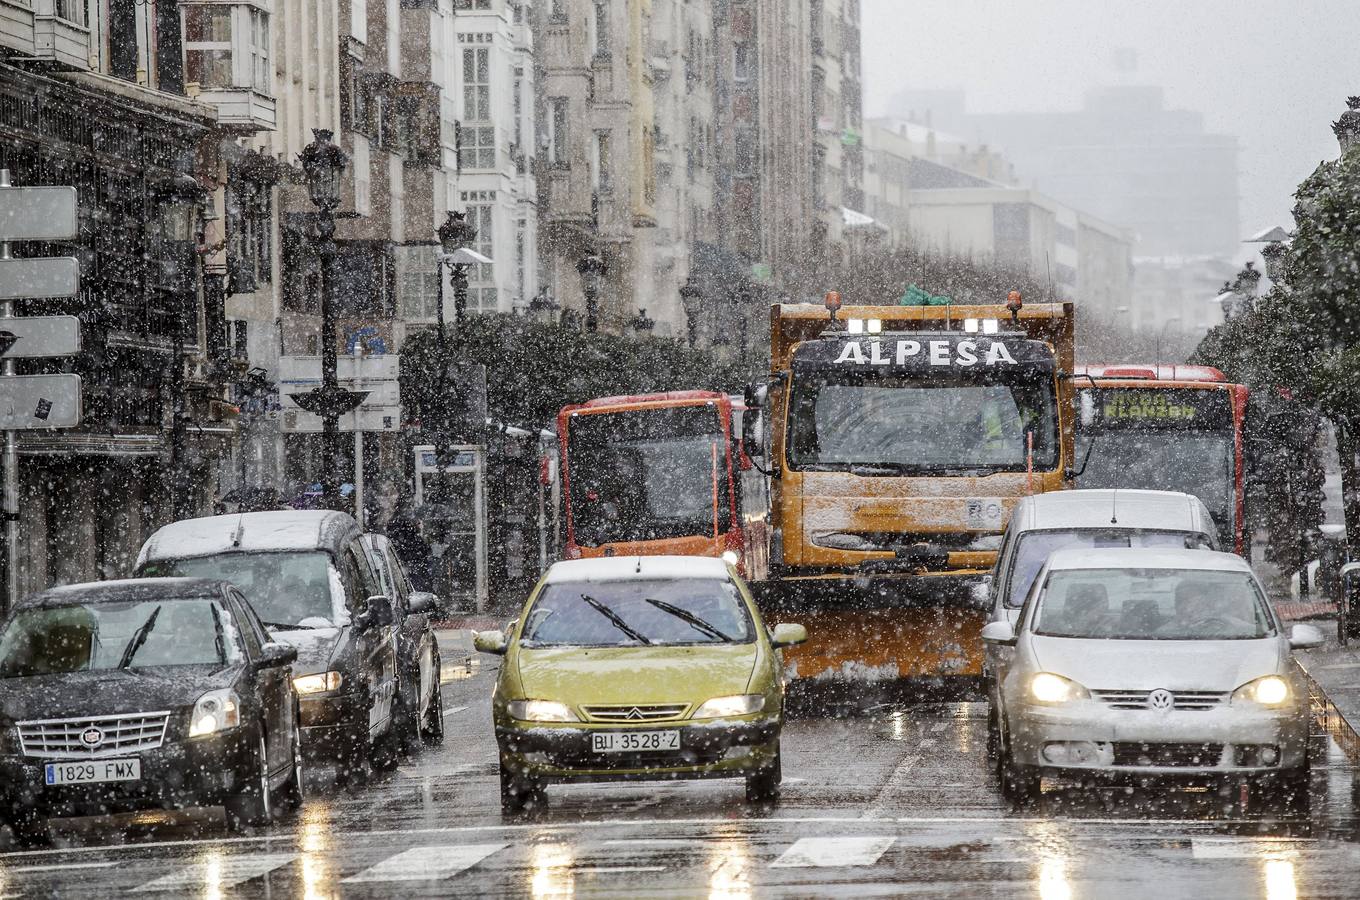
[1272, 690]
[215, 711]
[1049, 688]
[540, 711]
[736, 705]
[319, 683]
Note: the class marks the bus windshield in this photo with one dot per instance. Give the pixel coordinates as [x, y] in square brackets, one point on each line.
[648, 474]
[889, 424]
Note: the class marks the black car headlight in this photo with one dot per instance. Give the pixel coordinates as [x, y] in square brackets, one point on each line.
[215, 712]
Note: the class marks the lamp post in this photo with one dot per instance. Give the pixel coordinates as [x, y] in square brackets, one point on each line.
[181, 200]
[1160, 335]
[454, 235]
[591, 269]
[642, 324]
[690, 297]
[323, 162]
[543, 307]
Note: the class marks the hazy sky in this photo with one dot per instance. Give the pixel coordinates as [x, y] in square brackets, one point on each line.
[1273, 73]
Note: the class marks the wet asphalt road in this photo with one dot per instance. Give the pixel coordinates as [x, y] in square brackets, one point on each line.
[898, 801]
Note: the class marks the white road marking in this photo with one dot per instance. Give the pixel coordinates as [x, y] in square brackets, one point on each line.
[1247, 848]
[652, 842]
[825, 852]
[1350, 665]
[895, 781]
[426, 863]
[939, 726]
[609, 870]
[60, 867]
[456, 709]
[220, 872]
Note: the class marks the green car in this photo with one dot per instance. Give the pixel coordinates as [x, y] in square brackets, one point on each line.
[639, 668]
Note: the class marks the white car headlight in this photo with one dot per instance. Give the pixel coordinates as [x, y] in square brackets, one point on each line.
[319, 683]
[736, 705]
[1046, 687]
[1272, 690]
[540, 711]
[215, 711]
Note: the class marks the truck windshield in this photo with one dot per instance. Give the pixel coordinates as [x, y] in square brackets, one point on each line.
[647, 474]
[886, 424]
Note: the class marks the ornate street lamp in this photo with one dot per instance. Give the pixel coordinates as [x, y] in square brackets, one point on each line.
[182, 199]
[323, 163]
[592, 270]
[691, 297]
[454, 235]
[641, 323]
[543, 307]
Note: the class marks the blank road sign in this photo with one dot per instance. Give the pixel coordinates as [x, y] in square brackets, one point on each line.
[38, 214]
[38, 279]
[39, 401]
[38, 337]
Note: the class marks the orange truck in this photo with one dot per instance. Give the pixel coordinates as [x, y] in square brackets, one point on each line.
[899, 439]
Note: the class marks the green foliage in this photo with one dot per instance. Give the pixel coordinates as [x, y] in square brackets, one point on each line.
[1324, 259]
[533, 369]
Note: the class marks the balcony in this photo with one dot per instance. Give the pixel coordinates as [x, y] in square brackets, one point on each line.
[51, 30]
[227, 62]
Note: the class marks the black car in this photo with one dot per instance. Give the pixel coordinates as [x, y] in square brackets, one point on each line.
[150, 693]
[419, 709]
[307, 575]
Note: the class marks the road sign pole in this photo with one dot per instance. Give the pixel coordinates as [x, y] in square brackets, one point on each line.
[11, 457]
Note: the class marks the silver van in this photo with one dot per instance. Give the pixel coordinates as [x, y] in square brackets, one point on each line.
[1094, 519]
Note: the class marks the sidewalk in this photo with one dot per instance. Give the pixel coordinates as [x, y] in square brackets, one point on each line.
[1335, 674]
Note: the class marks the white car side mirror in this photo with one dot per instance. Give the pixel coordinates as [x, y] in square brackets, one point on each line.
[999, 633]
[1304, 637]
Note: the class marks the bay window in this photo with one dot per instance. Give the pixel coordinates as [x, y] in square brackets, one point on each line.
[227, 46]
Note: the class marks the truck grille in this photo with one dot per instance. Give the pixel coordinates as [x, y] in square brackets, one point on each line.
[662, 712]
[1169, 755]
[1183, 700]
[77, 738]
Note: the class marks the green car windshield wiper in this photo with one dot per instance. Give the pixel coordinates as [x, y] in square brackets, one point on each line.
[614, 617]
[138, 639]
[690, 618]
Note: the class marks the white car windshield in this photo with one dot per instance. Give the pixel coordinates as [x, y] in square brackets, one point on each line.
[641, 612]
[1152, 604]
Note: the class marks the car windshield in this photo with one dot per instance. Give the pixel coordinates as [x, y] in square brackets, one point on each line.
[1034, 548]
[647, 474]
[96, 636]
[630, 613]
[897, 424]
[294, 589]
[1152, 605]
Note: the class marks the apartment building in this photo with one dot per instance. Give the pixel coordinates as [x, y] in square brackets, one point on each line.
[838, 113]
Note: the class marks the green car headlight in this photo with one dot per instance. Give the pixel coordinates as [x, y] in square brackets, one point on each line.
[736, 705]
[540, 711]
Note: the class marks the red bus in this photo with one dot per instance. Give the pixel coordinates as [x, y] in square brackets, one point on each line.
[660, 474]
[1171, 428]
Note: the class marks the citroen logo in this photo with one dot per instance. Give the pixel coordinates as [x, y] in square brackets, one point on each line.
[92, 737]
[1161, 700]
[634, 714]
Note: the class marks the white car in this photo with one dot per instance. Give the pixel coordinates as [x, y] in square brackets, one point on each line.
[1140, 663]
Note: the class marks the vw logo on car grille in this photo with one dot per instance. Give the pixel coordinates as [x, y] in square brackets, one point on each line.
[1161, 700]
[635, 714]
[92, 737]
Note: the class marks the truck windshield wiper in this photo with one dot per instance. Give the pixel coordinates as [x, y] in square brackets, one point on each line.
[138, 639]
[689, 618]
[614, 617]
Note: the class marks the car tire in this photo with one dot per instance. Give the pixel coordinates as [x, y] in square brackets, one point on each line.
[385, 755]
[993, 734]
[30, 831]
[518, 791]
[1019, 784]
[406, 718]
[762, 786]
[253, 805]
[432, 729]
[292, 792]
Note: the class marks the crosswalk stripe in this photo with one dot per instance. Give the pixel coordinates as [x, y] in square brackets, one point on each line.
[825, 852]
[220, 871]
[61, 867]
[426, 863]
[1246, 848]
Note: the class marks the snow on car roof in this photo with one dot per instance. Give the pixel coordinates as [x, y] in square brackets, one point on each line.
[623, 568]
[1147, 558]
[127, 589]
[277, 530]
[1095, 507]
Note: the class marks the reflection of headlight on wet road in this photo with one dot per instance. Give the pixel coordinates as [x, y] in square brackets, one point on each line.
[552, 876]
[212, 875]
[315, 863]
[1280, 883]
[1053, 883]
[730, 871]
